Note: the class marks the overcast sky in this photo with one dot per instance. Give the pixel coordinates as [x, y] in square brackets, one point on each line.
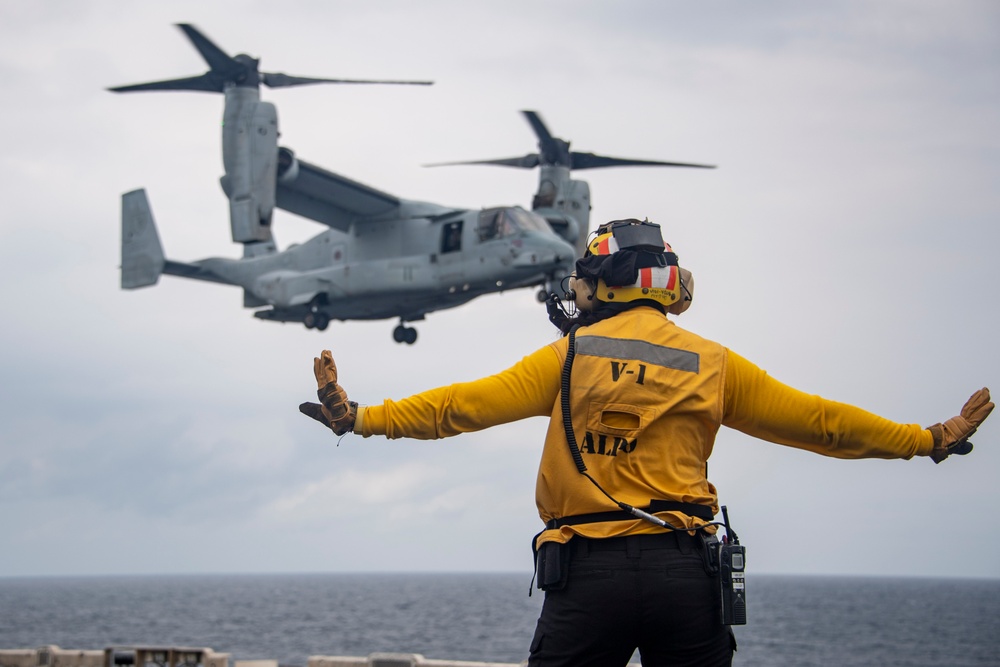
[847, 243]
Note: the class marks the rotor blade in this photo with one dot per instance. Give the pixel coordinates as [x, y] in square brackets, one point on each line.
[552, 150]
[538, 126]
[591, 161]
[208, 82]
[529, 161]
[217, 59]
[280, 80]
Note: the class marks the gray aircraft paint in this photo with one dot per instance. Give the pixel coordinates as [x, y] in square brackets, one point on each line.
[383, 257]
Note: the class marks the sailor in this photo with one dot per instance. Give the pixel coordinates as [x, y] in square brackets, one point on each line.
[645, 400]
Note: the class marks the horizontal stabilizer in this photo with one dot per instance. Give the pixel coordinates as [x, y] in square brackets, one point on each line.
[194, 271]
[142, 253]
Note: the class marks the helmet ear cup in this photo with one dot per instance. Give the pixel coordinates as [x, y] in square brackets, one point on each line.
[687, 293]
[583, 290]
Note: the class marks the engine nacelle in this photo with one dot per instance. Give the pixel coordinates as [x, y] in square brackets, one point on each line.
[250, 157]
[561, 199]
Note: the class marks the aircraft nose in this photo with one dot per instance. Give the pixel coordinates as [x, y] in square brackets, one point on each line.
[544, 252]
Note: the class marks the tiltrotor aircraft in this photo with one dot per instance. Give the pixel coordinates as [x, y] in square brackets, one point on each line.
[382, 256]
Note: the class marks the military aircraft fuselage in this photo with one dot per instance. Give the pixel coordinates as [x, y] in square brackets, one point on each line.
[382, 256]
[401, 267]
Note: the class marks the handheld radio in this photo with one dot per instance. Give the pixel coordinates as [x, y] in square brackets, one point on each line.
[729, 558]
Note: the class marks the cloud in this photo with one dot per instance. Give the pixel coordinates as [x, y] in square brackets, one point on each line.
[844, 244]
[353, 491]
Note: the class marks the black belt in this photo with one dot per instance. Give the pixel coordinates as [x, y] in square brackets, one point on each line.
[691, 509]
[669, 540]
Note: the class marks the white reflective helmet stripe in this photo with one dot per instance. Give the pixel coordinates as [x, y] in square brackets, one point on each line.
[663, 277]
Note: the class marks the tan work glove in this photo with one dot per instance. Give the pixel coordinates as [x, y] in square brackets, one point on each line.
[336, 412]
[952, 437]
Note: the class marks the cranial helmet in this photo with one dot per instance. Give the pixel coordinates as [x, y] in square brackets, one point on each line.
[627, 260]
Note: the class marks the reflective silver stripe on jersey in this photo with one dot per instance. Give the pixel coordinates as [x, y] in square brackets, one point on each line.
[617, 348]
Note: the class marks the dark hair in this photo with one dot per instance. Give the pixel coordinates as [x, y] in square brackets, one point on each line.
[602, 311]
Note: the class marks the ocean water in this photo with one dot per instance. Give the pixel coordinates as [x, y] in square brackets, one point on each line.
[800, 621]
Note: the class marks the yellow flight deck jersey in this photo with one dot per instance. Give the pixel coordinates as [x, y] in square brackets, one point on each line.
[647, 399]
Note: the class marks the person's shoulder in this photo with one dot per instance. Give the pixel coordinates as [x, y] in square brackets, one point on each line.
[691, 334]
[680, 332]
[558, 347]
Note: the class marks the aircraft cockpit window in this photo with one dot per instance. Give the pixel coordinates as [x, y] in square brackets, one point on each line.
[497, 223]
[451, 237]
[489, 224]
[528, 221]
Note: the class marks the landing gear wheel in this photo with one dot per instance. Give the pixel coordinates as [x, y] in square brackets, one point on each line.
[321, 321]
[309, 320]
[404, 334]
[542, 295]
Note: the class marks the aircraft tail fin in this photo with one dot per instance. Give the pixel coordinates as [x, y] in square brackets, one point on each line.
[142, 252]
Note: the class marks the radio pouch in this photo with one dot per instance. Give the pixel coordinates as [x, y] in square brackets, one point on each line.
[552, 565]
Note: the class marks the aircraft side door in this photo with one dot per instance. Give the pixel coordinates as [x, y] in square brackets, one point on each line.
[451, 253]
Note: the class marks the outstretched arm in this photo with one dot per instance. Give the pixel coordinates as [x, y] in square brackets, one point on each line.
[759, 405]
[526, 389]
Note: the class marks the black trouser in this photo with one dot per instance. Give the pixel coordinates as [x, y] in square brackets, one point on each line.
[650, 592]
